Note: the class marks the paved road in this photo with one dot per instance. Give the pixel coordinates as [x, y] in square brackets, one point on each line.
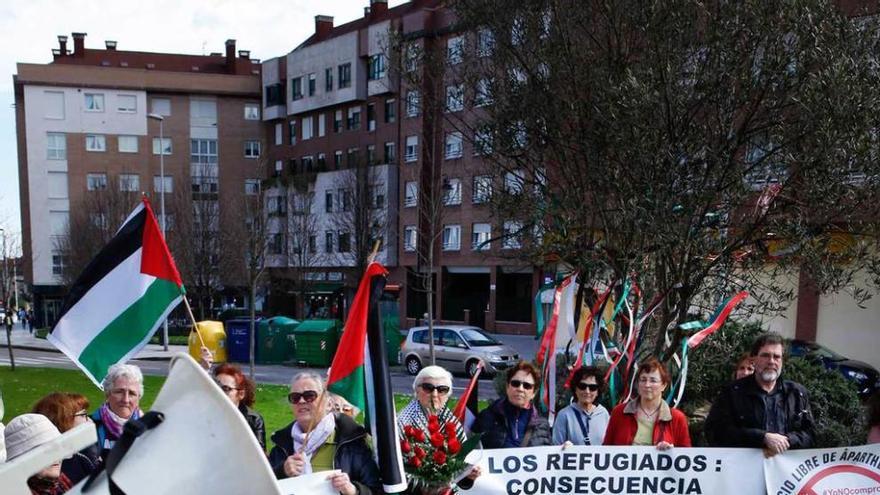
[401, 382]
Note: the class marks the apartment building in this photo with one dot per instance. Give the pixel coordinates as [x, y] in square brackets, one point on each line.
[335, 105]
[90, 121]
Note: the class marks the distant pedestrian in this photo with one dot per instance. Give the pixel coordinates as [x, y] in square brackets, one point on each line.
[7, 320]
[22, 317]
[30, 320]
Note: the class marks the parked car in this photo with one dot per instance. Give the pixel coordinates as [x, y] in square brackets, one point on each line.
[863, 375]
[458, 348]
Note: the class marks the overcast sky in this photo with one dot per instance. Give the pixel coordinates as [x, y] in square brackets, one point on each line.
[267, 28]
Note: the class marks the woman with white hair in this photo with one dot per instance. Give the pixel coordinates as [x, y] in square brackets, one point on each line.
[320, 440]
[123, 388]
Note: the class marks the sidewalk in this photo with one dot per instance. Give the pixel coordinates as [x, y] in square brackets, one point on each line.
[22, 339]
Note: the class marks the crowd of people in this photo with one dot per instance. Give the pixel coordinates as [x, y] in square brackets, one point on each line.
[756, 409]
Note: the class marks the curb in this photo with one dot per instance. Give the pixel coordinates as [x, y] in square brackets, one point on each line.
[52, 349]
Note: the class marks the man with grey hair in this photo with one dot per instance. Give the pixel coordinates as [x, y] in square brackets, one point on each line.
[761, 410]
[123, 389]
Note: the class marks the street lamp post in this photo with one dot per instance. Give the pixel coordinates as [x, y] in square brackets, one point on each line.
[161, 119]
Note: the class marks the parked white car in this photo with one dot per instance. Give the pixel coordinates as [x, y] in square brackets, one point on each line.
[458, 348]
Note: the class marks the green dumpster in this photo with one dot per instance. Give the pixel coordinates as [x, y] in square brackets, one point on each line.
[316, 341]
[275, 341]
[393, 338]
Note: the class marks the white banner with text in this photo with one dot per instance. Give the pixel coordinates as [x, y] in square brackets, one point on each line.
[842, 471]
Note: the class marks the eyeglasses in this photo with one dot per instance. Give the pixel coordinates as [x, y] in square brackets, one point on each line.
[227, 388]
[649, 381]
[523, 385]
[430, 388]
[81, 414]
[592, 386]
[308, 396]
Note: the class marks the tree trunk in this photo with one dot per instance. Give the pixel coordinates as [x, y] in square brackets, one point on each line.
[9, 345]
[253, 336]
[430, 287]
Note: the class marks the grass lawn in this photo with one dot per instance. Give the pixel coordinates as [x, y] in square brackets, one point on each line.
[25, 386]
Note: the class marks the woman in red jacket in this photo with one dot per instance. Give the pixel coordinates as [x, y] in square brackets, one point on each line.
[647, 419]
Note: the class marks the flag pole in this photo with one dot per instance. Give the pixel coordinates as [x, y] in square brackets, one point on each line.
[193, 318]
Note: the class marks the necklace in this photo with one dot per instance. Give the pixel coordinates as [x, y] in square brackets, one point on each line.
[647, 414]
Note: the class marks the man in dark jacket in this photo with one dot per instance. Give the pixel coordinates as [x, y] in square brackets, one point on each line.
[760, 410]
[352, 455]
[514, 421]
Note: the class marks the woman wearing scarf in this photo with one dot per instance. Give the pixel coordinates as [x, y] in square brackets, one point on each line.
[513, 421]
[66, 411]
[318, 440]
[123, 389]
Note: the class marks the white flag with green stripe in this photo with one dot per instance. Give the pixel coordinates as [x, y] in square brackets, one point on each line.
[120, 299]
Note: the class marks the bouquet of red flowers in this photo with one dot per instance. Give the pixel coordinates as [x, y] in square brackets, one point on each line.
[434, 458]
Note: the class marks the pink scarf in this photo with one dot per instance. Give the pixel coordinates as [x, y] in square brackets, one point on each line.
[113, 422]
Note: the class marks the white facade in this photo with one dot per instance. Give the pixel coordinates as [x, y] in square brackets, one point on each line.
[64, 110]
[316, 59]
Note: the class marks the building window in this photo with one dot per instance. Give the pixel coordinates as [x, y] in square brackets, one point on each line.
[161, 106]
[453, 145]
[126, 103]
[485, 42]
[252, 149]
[513, 182]
[276, 244]
[328, 201]
[390, 111]
[274, 96]
[322, 127]
[328, 242]
[410, 238]
[203, 151]
[328, 79]
[54, 101]
[337, 121]
[344, 245]
[483, 93]
[512, 235]
[376, 67]
[96, 142]
[412, 149]
[128, 144]
[277, 206]
[390, 152]
[99, 220]
[371, 117]
[307, 128]
[483, 142]
[337, 159]
[94, 102]
[252, 111]
[58, 264]
[96, 182]
[482, 188]
[480, 236]
[354, 118]
[452, 192]
[518, 32]
[455, 98]
[344, 199]
[413, 101]
[56, 146]
[308, 163]
[57, 185]
[296, 90]
[455, 50]
[451, 237]
[344, 75]
[377, 195]
[371, 154]
[313, 244]
[322, 162]
[279, 134]
[162, 147]
[129, 182]
[158, 186]
[313, 83]
[411, 194]
[291, 126]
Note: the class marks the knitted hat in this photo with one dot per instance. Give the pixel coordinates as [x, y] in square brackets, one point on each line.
[27, 432]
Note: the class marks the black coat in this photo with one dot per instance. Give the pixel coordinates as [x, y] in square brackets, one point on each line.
[81, 465]
[352, 455]
[492, 423]
[255, 421]
[737, 417]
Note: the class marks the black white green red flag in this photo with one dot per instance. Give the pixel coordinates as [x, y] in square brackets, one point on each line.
[120, 299]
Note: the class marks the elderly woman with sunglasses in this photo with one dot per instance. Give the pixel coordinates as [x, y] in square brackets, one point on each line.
[320, 440]
[513, 421]
[583, 422]
[432, 388]
[647, 419]
[240, 391]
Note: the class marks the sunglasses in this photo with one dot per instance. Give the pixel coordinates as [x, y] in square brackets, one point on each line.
[308, 396]
[523, 385]
[430, 388]
[592, 386]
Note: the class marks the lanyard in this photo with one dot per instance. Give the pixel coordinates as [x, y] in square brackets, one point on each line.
[585, 427]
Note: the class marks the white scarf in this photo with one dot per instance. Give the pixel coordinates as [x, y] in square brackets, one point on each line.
[317, 438]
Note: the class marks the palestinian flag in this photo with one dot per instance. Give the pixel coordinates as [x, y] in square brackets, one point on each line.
[467, 408]
[360, 374]
[120, 299]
